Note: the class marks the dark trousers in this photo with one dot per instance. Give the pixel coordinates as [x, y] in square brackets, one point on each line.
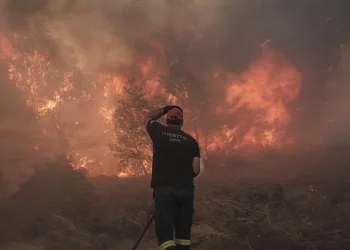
[174, 210]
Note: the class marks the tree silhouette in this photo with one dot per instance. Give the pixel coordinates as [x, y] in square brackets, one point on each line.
[132, 146]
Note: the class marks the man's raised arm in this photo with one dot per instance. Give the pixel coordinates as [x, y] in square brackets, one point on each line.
[158, 113]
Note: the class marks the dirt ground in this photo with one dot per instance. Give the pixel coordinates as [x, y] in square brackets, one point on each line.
[249, 205]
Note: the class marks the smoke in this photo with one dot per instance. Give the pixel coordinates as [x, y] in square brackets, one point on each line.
[203, 37]
[335, 119]
[92, 34]
[17, 143]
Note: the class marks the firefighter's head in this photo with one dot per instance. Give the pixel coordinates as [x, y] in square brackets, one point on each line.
[175, 117]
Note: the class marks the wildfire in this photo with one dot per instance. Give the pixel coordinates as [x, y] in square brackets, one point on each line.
[113, 85]
[253, 111]
[107, 114]
[259, 99]
[42, 106]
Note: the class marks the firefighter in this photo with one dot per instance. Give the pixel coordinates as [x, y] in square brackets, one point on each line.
[176, 162]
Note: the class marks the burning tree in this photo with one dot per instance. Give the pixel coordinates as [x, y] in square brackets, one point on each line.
[132, 146]
[249, 110]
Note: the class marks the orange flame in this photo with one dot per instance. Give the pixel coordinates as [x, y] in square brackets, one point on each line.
[263, 93]
[253, 111]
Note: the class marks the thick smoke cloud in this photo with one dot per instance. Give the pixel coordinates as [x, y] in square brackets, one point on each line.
[92, 34]
[335, 113]
[17, 143]
[203, 35]
[95, 33]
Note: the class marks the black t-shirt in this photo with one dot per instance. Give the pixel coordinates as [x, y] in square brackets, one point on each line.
[173, 152]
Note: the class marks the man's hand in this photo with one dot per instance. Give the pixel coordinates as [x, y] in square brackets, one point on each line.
[158, 113]
[201, 163]
[154, 115]
[196, 166]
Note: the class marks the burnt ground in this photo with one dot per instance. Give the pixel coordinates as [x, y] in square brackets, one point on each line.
[299, 201]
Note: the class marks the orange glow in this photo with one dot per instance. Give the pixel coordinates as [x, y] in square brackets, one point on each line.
[253, 112]
[263, 92]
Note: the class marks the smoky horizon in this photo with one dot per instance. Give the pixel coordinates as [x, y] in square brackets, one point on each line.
[76, 77]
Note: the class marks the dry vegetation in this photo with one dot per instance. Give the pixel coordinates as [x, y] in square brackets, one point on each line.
[60, 208]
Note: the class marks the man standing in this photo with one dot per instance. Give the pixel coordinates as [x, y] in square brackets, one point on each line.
[176, 161]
